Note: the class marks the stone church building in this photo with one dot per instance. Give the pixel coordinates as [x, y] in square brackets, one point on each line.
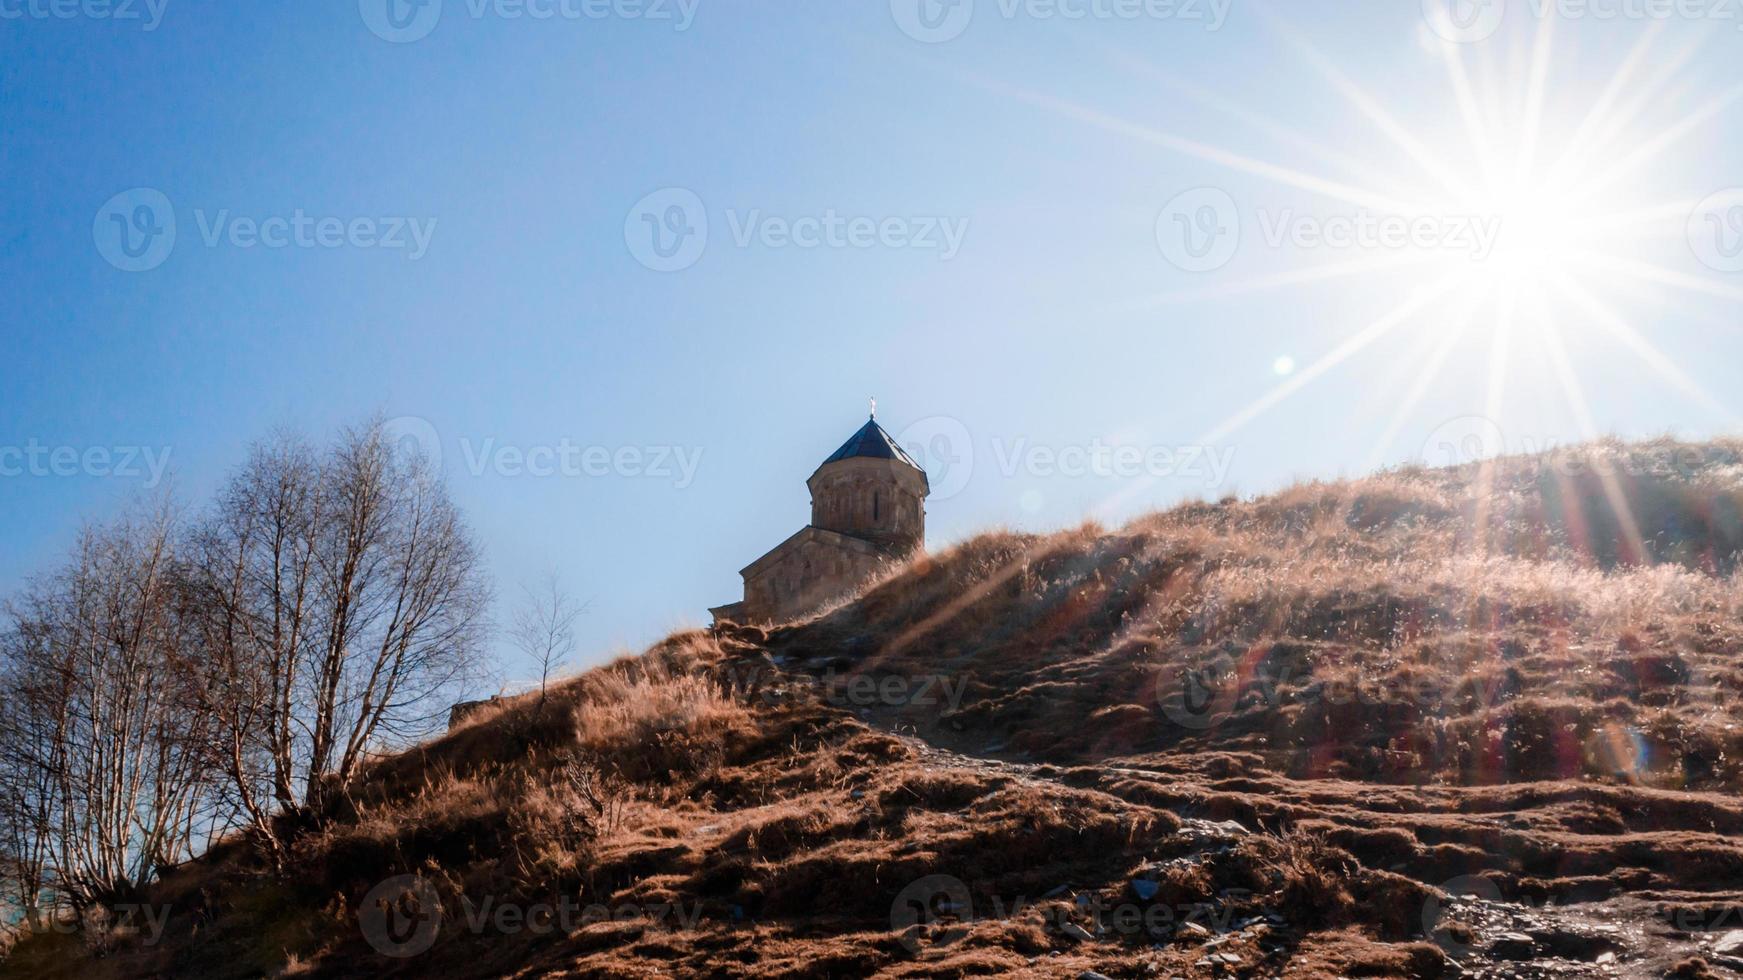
[868, 507]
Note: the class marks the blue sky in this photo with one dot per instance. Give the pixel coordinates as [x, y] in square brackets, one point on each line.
[966, 214]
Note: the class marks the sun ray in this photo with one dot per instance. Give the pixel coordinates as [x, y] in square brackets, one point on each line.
[1576, 395]
[1639, 218]
[1352, 345]
[1600, 110]
[1453, 58]
[1499, 346]
[1562, 219]
[1297, 277]
[1534, 96]
[1234, 161]
[957, 605]
[1268, 125]
[1110, 505]
[1658, 274]
[1390, 127]
[1652, 147]
[1443, 345]
[1646, 95]
[1642, 348]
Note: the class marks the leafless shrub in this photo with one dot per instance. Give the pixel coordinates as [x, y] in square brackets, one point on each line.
[340, 597]
[104, 778]
[543, 629]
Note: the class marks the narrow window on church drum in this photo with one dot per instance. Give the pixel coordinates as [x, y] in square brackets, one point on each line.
[874, 505]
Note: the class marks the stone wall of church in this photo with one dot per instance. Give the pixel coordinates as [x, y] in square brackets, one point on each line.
[810, 574]
[871, 499]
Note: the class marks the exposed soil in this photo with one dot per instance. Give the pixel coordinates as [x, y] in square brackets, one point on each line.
[1448, 723]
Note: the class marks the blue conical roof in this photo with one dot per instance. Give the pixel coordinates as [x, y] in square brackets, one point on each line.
[872, 442]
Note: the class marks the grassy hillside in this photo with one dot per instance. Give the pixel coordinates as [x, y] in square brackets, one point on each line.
[1276, 737]
[1482, 625]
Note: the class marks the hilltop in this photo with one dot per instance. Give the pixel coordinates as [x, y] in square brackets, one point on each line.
[1469, 721]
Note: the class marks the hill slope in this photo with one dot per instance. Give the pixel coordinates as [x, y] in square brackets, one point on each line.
[1482, 716]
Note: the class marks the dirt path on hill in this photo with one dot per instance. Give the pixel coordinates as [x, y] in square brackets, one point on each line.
[1485, 936]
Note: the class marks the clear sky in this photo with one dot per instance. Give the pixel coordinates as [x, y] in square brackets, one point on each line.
[1089, 265]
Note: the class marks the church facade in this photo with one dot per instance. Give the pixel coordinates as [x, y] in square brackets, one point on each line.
[868, 508]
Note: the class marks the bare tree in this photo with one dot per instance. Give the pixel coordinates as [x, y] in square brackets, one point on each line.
[342, 597]
[543, 628]
[251, 576]
[164, 685]
[103, 771]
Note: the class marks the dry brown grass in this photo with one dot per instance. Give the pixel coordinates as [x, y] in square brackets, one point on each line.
[1428, 680]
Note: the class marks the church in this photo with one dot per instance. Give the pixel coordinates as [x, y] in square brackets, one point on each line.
[868, 508]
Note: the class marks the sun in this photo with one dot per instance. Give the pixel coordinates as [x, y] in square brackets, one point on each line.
[1561, 199]
[1536, 233]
